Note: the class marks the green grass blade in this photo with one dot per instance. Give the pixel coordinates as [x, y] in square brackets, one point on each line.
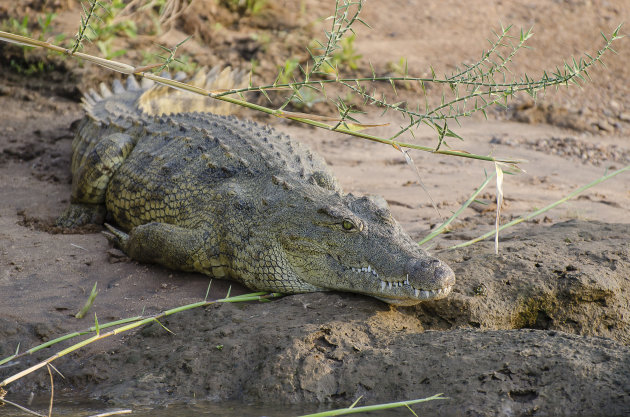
[544, 209]
[377, 407]
[443, 226]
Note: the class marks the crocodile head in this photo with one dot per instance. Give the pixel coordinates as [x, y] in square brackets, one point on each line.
[347, 243]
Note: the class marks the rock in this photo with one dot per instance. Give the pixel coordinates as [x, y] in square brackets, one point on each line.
[561, 278]
[604, 125]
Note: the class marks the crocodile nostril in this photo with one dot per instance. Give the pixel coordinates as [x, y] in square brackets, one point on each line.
[430, 262]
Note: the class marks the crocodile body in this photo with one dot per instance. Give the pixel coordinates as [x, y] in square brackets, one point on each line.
[231, 199]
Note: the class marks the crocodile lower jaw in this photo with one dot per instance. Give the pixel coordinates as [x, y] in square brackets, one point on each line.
[431, 295]
[413, 295]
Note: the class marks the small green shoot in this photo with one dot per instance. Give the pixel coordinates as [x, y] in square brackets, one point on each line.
[88, 303]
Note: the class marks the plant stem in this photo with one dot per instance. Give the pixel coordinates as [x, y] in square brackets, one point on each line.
[354, 410]
[542, 210]
[443, 226]
[258, 296]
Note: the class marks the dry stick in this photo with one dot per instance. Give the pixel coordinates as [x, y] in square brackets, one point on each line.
[52, 391]
[544, 209]
[26, 410]
[288, 115]
[497, 220]
[112, 413]
[530, 86]
[219, 95]
[258, 296]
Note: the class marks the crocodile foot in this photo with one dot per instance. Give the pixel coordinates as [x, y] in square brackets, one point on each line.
[116, 237]
[77, 215]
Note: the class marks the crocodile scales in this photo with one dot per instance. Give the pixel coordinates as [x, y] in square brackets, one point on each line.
[231, 199]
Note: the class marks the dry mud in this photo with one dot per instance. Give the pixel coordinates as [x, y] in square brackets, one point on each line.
[543, 328]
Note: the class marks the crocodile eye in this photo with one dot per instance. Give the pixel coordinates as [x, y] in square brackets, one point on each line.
[347, 225]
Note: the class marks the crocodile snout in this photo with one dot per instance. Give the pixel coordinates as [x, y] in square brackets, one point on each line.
[430, 274]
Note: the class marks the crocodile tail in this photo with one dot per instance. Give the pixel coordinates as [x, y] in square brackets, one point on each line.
[125, 97]
[161, 99]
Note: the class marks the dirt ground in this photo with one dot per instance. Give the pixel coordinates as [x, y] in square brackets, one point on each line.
[540, 329]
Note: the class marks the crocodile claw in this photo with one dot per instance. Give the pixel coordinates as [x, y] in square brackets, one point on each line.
[77, 215]
[116, 237]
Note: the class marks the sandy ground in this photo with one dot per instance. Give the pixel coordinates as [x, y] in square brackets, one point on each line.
[547, 319]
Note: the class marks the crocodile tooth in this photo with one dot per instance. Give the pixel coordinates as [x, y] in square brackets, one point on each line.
[369, 268]
[406, 282]
[426, 294]
[354, 269]
[374, 272]
[389, 284]
[416, 292]
[383, 285]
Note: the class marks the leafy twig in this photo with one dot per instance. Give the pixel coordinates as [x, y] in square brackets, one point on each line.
[87, 15]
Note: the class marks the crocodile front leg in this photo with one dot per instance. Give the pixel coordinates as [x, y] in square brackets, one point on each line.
[172, 246]
[91, 178]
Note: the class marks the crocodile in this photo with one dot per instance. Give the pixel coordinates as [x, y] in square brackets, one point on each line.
[197, 190]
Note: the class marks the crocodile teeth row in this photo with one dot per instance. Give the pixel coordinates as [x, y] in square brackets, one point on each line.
[433, 293]
[368, 269]
[423, 294]
[394, 284]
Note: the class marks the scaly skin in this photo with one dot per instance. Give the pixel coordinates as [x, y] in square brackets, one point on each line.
[230, 199]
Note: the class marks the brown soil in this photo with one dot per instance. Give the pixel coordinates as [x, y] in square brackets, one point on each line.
[542, 328]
